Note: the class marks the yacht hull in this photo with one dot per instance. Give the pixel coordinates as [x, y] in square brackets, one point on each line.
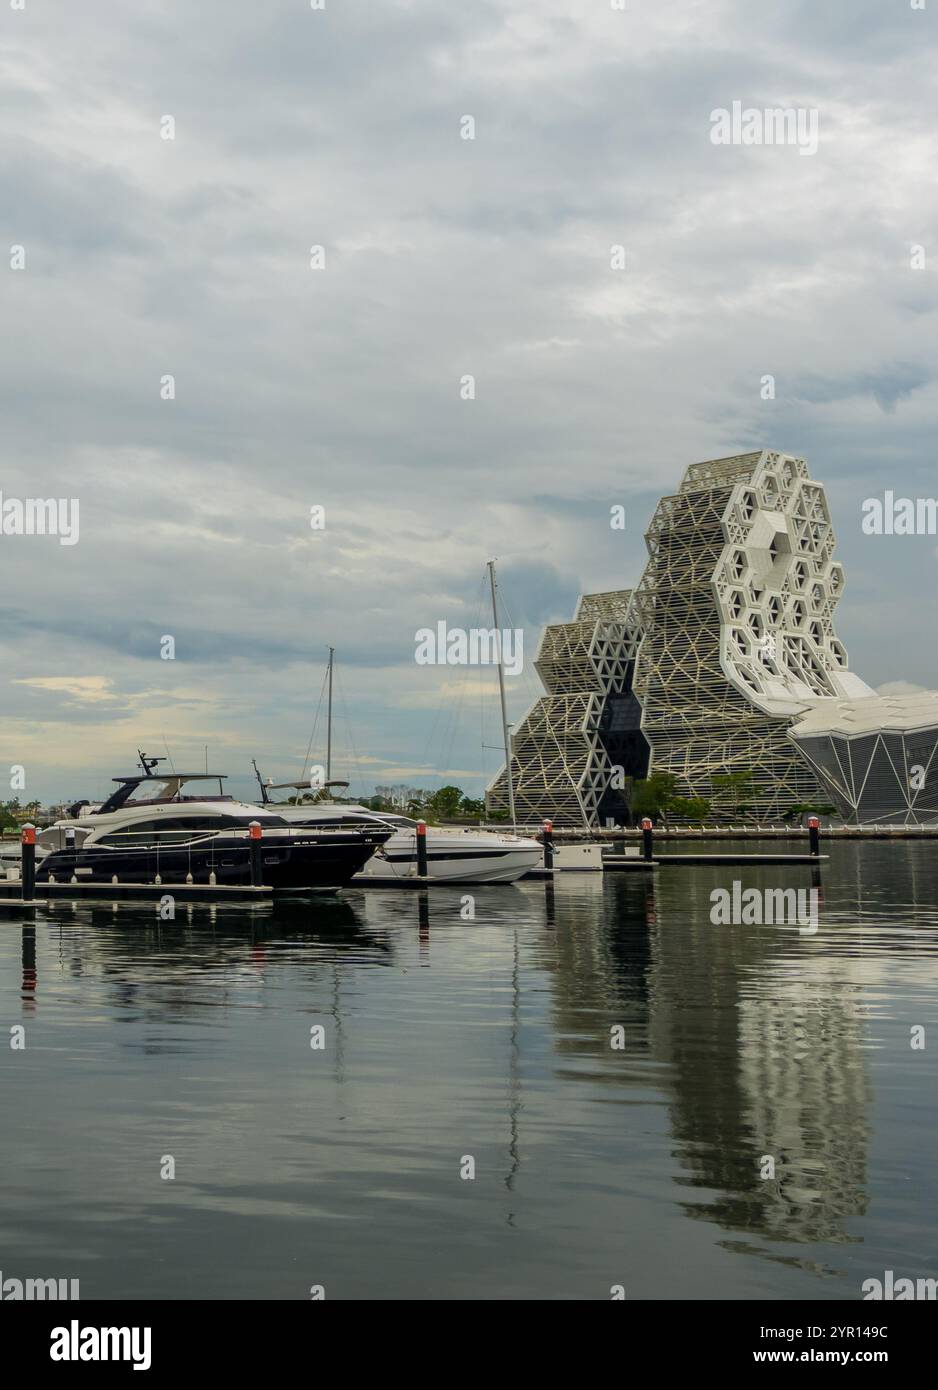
[288, 864]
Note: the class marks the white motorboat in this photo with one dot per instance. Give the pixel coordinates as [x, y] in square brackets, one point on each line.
[454, 854]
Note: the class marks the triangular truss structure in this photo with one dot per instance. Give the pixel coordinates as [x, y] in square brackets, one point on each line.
[877, 758]
[736, 607]
[565, 762]
[726, 643]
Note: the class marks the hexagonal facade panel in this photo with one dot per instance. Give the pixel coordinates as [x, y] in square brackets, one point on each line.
[726, 642]
[736, 608]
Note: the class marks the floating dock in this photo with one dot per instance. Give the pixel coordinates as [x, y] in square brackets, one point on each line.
[756, 858]
[814, 856]
[408, 881]
[612, 864]
[11, 893]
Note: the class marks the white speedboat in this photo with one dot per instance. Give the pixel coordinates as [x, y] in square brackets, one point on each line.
[454, 854]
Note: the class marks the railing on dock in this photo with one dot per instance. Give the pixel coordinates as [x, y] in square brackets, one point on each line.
[122, 889]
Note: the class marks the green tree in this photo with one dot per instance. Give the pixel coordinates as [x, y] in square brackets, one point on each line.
[444, 804]
[737, 787]
[652, 796]
[689, 807]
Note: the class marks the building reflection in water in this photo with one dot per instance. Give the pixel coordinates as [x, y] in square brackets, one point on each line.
[764, 1031]
[754, 1035]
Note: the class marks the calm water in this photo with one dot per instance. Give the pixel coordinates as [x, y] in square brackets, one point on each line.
[445, 1038]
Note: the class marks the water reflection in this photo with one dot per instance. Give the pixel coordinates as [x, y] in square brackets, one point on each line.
[493, 1036]
[764, 1033]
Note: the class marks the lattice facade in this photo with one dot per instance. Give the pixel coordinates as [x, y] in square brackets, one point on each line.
[736, 605]
[561, 763]
[727, 642]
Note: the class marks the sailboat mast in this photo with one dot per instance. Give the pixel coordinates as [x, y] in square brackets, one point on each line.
[501, 691]
[329, 721]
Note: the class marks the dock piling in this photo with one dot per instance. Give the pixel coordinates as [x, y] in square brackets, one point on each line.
[422, 849]
[255, 833]
[28, 861]
[648, 839]
[814, 835]
[548, 838]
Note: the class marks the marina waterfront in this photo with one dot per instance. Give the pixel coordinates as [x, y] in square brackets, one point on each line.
[615, 1066]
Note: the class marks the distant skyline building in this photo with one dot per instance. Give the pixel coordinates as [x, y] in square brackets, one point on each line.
[728, 658]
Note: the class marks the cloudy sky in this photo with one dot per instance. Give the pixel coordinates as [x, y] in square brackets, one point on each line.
[339, 387]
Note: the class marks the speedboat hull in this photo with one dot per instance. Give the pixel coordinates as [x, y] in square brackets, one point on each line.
[455, 858]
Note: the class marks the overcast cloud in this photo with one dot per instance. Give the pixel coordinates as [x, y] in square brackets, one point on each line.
[339, 387]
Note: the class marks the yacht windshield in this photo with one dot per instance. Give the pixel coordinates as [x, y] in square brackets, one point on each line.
[153, 789]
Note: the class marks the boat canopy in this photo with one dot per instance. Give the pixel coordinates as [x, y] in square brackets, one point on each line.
[166, 786]
[174, 777]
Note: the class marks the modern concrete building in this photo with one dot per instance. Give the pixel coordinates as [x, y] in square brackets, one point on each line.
[725, 644]
[876, 758]
[736, 608]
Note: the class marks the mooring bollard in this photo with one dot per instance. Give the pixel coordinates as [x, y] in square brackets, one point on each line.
[422, 849]
[254, 844]
[648, 839]
[548, 838]
[28, 861]
[814, 835]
